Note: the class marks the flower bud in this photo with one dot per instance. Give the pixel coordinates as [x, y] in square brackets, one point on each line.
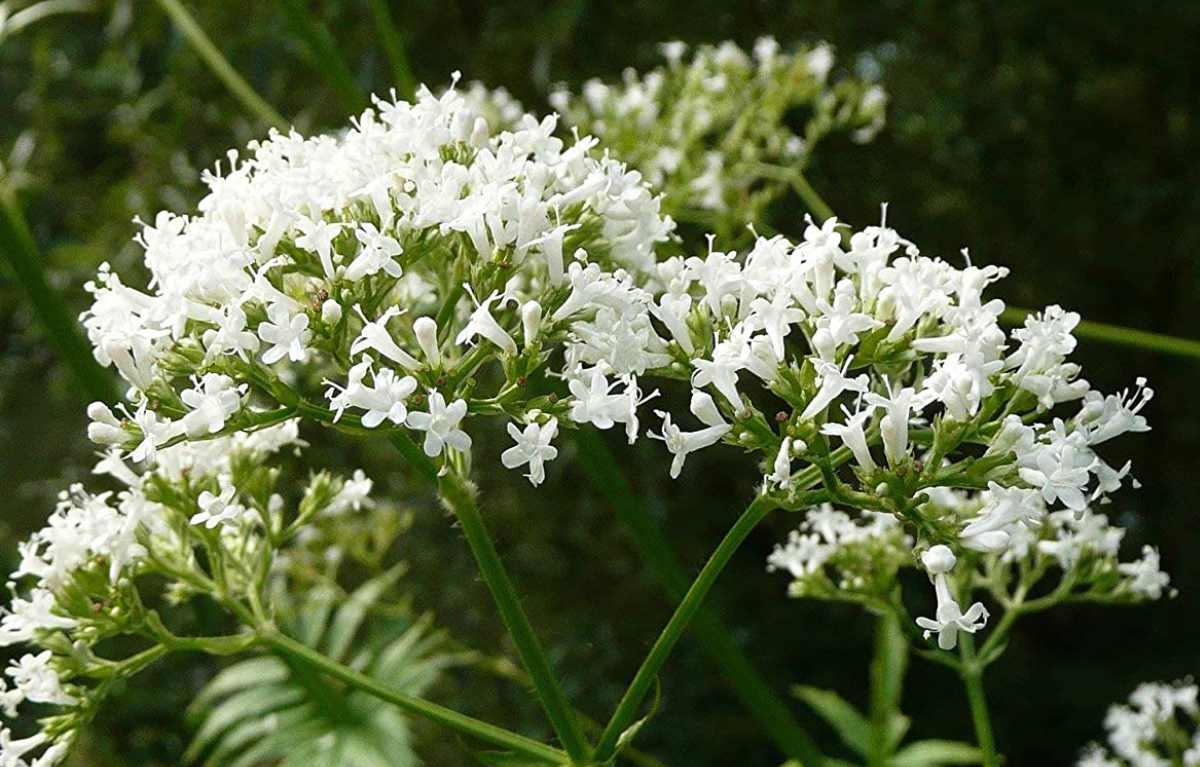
[426, 331]
[939, 559]
[531, 321]
[331, 312]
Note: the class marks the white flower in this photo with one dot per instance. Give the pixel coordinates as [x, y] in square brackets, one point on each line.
[721, 372]
[217, 510]
[13, 750]
[375, 336]
[38, 681]
[482, 323]
[317, 236]
[354, 494]
[840, 324]
[212, 400]
[833, 383]
[533, 447]
[1060, 470]
[1145, 576]
[440, 425]
[893, 426]
[672, 311]
[593, 400]
[1103, 418]
[384, 399]
[853, 435]
[1003, 508]
[776, 317]
[949, 619]
[377, 252]
[155, 432]
[287, 333]
[231, 336]
[681, 443]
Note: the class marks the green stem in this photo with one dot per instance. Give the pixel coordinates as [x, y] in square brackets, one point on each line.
[605, 475]
[324, 54]
[643, 680]
[393, 46]
[810, 196]
[459, 498]
[887, 680]
[18, 248]
[220, 66]
[488, 733]
[972, 677]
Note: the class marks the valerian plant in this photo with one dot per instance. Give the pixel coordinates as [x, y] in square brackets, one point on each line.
[452, 261]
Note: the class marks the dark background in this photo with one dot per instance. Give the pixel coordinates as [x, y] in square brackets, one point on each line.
[1057, 138]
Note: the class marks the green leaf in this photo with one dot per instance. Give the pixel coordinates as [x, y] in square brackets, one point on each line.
[254, 703]
[266, 711]
[253, 672]
[932, 753]
[626, 737]
[896, 729]
[851, 726]
[349, 616]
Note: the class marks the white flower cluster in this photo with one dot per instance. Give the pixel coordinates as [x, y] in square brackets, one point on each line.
[837, 557]
[833, 555]
[711, 128]
[75, 585]
[867, 339]
[423, 269]
[1158, 727]
[393, 262]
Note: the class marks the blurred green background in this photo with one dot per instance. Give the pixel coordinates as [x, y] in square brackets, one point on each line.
[1058, 138]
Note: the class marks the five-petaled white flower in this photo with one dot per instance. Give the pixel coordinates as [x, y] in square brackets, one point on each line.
[440, 425]
[533, 447]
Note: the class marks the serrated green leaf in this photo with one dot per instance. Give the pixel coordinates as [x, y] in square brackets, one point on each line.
[313, 616]
[253, 672]
[240, 736]
[254, 703]
[304, 731]
[851, 726]
[933, 753]
[280, 744]
[349, 616]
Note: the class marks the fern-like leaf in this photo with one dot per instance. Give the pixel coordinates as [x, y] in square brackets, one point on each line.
[267, 711]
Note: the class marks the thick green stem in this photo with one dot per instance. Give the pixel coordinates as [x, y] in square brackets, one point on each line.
[605, 475]
[459, 498]
[17, 247]
[323, 52]
[643, 680]
[972, 676]
[393, 46]
[887, 681]
[483, 731]
[220, 66]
